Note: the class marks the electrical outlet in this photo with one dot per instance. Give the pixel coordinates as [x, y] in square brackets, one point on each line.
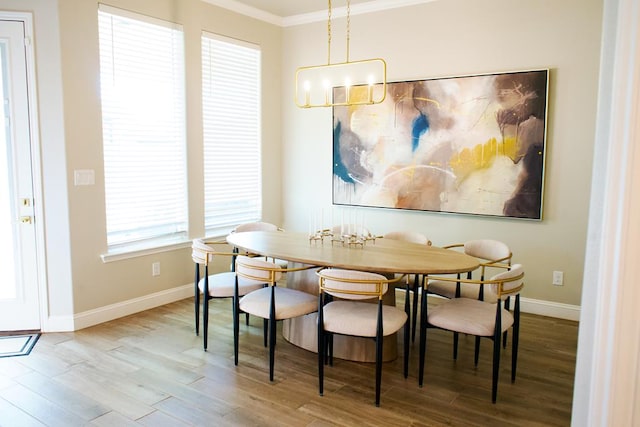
[155, 269]
[558, 278]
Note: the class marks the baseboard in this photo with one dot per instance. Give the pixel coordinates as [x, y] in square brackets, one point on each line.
[550, 308]
[136, 305]
[121, 309]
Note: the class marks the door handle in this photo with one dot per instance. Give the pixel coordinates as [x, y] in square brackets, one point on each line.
[26, 219]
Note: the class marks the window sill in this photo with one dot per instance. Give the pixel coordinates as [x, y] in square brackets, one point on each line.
[138, 251]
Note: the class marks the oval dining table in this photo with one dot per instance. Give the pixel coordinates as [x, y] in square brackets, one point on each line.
[384, 256]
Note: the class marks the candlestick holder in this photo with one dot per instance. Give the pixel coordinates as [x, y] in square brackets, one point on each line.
[354, 240]
[319, 236]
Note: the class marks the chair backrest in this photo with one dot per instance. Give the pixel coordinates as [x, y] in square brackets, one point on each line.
[255, 226]
[258, 269]
[203, 250]
[408, 236]
[488, 249]
[508, 283]
[351, 284]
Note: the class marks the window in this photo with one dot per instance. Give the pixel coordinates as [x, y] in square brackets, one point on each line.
[143, 121]
[231, 126]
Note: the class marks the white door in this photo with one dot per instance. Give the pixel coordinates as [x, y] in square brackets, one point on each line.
[19, 304]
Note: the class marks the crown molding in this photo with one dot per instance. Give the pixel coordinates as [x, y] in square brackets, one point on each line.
[319, 16]
[243, 9]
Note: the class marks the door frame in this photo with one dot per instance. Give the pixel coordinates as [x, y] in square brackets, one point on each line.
[36, 161]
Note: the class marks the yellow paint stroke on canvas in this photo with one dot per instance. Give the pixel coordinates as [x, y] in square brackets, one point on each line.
[481, 156]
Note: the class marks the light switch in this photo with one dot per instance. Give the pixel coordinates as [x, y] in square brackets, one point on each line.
[84, 177]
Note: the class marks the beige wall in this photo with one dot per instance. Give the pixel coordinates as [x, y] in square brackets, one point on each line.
[96, 284]
[459, 37]
[67, 74]
[444, 38]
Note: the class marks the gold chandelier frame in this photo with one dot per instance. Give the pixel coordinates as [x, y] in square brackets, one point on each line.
[360, 87]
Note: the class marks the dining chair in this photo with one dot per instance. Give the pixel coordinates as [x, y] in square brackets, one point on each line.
[494, 255]
[479, 318]
[343, 309]
[261, 226]
[216, 285]
[271, 303]
[421, 239]
[491, 253]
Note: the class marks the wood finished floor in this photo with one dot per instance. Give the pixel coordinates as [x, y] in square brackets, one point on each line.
[149, 369]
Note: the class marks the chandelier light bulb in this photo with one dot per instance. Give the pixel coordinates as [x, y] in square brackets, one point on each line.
[326, 85]
[307, 93]
[347, 86]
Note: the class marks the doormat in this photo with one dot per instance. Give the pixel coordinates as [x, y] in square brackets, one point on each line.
[17, 345]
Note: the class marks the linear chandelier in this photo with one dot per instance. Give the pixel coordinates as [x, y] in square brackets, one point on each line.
[356, 82]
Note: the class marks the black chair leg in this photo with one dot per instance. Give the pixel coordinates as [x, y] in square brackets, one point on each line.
[196, 299]
[455, 346]
[236, 322]
[205, 308]
[265, 327]
[272, 347]
[423, 337]
[476, 353]
[515, 338]
[321, 347]
[272, 333]
[407, 327]
[414, 319]
[496, 352]
[246, 319]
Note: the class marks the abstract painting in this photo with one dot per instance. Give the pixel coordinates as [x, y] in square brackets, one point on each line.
[470, 144]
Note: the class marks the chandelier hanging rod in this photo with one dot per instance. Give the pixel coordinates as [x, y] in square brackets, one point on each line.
[341, 74]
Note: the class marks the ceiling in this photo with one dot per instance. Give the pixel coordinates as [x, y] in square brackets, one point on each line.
[293, 12]
[286, 8]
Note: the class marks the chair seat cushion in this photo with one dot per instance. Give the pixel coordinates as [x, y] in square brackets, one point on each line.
[222, 285]
[289, 303]
[468, 316]
[360, 318]
[467, 290]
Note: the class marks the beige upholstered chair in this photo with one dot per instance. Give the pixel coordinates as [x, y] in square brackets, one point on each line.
[494, 255]
[261, 226]
[272, 303]
[480, 318]
[217, 285]
[420, 239]
[256, 226]
[491, 253]
[350, 314]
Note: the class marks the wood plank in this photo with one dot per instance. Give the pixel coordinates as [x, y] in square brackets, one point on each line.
[40, 408]
[11, 415]
[62, 396]
[129, 372]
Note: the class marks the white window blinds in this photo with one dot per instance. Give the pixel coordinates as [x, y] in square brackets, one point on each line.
[143, 121]
[231, 125]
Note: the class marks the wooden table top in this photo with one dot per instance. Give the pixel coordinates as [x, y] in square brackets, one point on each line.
[383, 255]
